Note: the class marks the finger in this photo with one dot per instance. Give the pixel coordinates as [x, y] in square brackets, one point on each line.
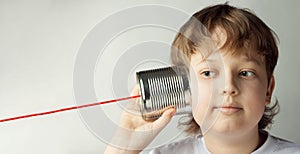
[165, 118]
[157, 113]
[134, 105]
[135, 91]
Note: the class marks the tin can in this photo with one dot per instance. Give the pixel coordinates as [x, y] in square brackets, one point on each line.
[164, 88]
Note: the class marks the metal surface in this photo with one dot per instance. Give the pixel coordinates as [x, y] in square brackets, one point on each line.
[164, 88]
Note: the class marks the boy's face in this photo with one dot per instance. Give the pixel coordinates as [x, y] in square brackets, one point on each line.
[229, 92]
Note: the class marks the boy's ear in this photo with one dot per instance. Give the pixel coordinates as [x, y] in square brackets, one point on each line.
[270, 90]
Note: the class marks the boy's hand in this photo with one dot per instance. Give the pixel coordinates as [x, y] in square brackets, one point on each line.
[135, 133]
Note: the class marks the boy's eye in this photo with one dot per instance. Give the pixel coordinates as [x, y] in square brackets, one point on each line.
[208, 74]
[247, 73]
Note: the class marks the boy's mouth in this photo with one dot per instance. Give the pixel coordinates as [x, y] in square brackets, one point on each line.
[229, 109]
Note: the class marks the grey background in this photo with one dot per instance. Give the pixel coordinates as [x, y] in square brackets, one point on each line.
[39, 42]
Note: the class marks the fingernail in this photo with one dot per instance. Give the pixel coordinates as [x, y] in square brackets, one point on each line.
[173, 112]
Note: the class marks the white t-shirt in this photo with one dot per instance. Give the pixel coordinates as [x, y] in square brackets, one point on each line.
[196, 145]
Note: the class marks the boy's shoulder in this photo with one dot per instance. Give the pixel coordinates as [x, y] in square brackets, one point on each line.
[282, 145]
[278, 145]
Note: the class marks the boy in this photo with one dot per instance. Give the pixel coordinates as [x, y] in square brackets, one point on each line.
[231, 55]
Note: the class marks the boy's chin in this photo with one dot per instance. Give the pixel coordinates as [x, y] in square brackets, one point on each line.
[222, 127]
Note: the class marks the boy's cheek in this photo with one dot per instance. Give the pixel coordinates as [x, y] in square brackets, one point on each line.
[203, 97]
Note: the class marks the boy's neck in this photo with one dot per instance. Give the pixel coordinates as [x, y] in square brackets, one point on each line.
[247, 143]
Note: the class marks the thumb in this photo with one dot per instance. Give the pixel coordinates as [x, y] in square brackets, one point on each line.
[165, 118]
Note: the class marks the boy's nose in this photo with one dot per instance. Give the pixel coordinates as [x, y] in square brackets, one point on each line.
[230, 87]
[229, 91]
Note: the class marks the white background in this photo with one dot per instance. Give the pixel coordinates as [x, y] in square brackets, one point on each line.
[39, 40]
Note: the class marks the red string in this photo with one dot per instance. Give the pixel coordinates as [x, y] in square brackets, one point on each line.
[68, 108]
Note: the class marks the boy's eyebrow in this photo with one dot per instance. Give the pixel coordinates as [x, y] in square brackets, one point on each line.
[205, 60]
[252, 59]
[243, 58]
